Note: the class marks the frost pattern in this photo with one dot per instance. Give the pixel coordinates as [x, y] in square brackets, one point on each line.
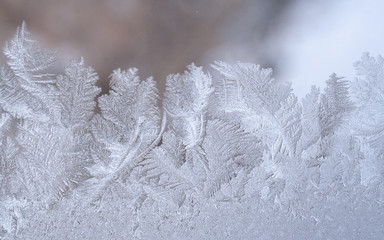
[233, 155]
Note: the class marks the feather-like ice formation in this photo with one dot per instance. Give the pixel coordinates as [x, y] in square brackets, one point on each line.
[234, 155]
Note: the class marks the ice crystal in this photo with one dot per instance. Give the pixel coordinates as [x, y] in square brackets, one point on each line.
[233, 155]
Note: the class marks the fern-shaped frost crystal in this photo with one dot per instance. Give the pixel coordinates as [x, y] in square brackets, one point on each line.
[23, 76]
[25, 57]
[77, 92]
[129, 125]
[268, 99]
[187, 101]
[335, 104]
[230, 151]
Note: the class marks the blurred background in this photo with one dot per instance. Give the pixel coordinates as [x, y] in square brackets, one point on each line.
[303, 41]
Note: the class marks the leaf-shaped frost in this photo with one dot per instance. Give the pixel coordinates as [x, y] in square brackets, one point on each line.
[26, 92]
[25, 57]
[310, 119]
[229, 150]
[53, 161]
[258, 87]
[186, 100]
[17, 100]
[163, 176]
[288, 118]
[335, 104]
[228, 96]
[260, 90]
[77, 94]
[129, 124]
